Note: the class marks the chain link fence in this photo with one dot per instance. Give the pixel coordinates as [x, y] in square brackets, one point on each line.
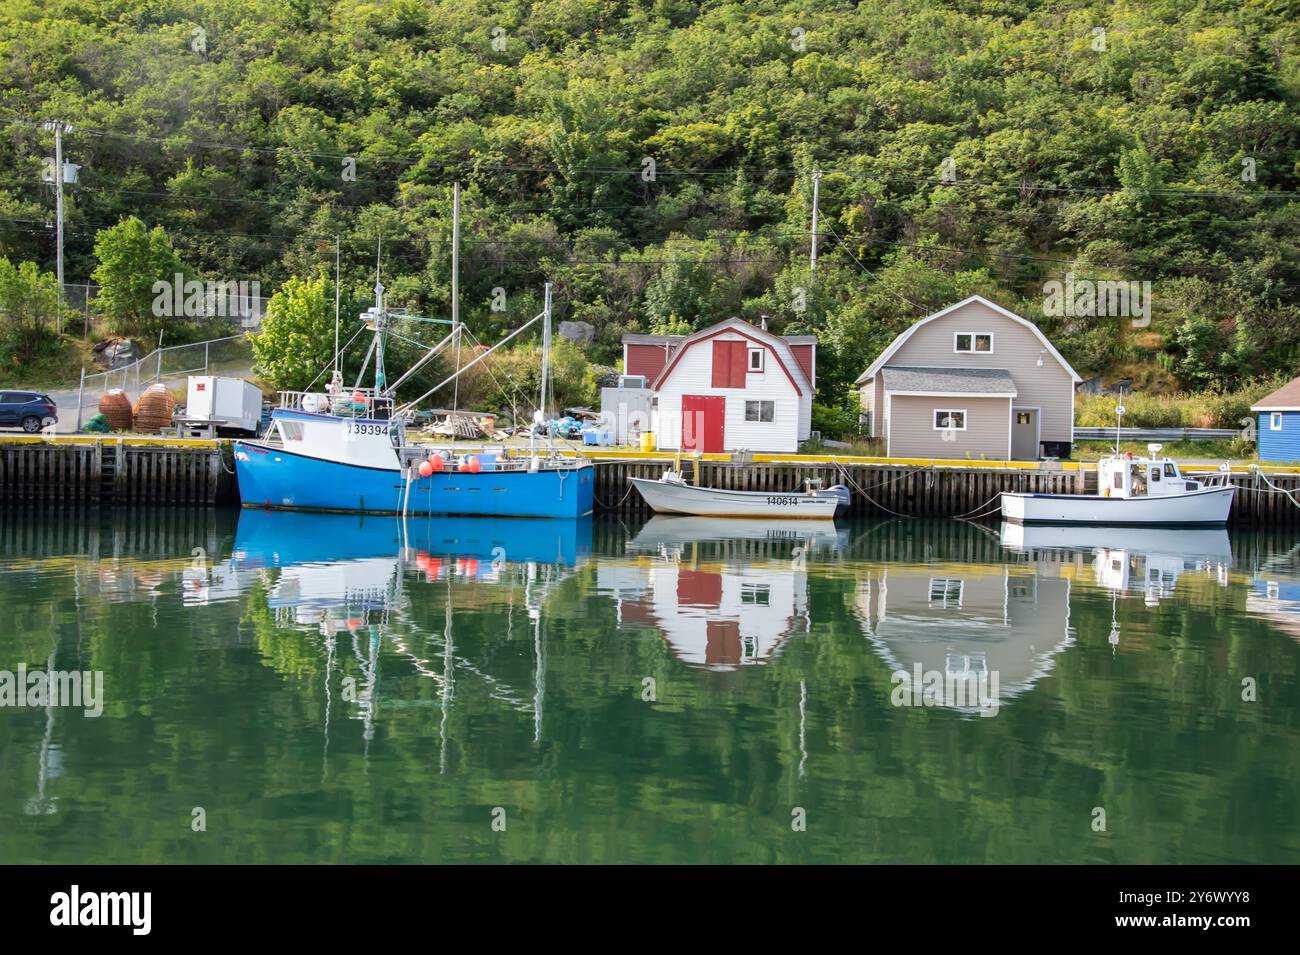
[170, 365]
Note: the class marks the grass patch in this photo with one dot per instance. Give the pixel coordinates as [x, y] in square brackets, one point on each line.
[1147, 410]
[59, 368]
[1239, 452]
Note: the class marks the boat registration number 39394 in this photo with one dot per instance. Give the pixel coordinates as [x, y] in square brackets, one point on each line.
[358, 428]
[789, 500]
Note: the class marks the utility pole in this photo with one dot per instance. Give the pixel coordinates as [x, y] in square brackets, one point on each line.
[59, 127]
[816, 178]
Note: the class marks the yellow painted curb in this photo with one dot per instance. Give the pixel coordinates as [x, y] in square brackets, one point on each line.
[130, 441]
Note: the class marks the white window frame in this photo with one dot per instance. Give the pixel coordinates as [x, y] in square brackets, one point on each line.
[946, 597]
[972, 350]
[760, 402]
[1275, 421]
[950, 412]
[755, 368]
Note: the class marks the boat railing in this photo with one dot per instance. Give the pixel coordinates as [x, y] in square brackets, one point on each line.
[353, 403]
[493, 459]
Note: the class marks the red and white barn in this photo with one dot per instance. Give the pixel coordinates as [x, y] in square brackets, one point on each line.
[728, 387]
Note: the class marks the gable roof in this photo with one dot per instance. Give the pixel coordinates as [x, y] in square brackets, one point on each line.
[898, 342]
[1286, 398]
[993, 382]
[777, 345]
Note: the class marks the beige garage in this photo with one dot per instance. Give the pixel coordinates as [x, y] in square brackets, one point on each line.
[971, 381]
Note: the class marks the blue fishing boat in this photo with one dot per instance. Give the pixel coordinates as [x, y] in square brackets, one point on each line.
[283, 538]
[346, 450]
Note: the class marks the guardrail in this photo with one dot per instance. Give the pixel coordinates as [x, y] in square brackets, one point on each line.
[1160, 434]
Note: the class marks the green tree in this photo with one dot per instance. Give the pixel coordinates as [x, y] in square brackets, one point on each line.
[297, 336]
[132, 258]
[29, 305]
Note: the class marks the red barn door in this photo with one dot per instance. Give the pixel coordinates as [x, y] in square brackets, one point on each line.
[703, 420]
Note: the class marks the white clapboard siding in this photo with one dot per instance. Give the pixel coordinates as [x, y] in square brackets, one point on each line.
[693, 375]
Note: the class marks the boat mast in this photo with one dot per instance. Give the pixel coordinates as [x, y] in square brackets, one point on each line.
[546, 348]
[380, 320]
[455, 302]
[455, 255]
[337, 378]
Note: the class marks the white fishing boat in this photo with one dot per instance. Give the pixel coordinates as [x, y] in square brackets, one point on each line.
[1149, 491]
[672, 495]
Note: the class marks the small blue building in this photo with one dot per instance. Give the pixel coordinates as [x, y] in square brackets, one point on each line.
[1279, 424]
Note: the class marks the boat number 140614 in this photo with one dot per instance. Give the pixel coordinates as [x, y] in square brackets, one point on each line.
[787, 501]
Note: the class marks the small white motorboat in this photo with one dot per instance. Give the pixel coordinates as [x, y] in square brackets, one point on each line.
[1130, 491]
[672, 495]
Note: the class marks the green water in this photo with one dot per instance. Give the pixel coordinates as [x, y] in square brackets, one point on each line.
[325, 689]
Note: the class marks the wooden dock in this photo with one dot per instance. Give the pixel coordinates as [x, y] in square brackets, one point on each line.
[112, 472]
[924, 488]
[122, 471]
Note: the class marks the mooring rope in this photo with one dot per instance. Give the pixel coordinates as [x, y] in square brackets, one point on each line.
[974, 513]
[857, 487]
[1272, 488]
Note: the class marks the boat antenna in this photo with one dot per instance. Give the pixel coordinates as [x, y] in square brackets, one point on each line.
[1119, 418]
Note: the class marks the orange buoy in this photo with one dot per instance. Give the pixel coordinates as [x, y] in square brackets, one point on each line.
[358, 397]
[463, 466]
[435, 462]
[425, 469]
[474, 464]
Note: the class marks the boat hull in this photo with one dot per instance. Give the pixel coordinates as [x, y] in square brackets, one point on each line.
[275, 478]
[672, 498]
[1205, 508]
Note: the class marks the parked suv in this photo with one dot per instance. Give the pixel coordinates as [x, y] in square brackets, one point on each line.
[29, 410]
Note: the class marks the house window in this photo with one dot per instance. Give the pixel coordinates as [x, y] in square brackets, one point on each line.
[760, 410]
[949, 420]
[756, 359]
[945, 591]
[981, 342]
[757, 595]
[1024, 417]
[1275, 421]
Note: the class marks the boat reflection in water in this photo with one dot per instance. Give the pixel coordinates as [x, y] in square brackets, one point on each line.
[1132, 560]
[1129, 561]
[346, 576]
[723, 595]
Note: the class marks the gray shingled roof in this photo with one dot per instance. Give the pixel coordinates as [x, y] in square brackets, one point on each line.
[943, 381]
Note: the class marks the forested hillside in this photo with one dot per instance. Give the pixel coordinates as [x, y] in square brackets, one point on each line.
[654, 160]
